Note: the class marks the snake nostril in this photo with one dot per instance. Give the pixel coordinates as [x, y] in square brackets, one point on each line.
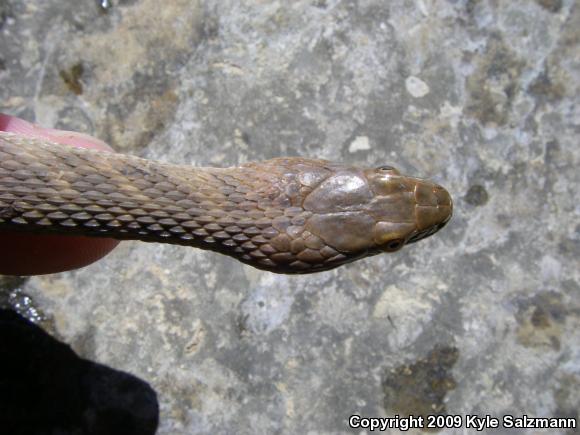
[388, 169]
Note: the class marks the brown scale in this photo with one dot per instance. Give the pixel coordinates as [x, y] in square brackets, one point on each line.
[286, 215]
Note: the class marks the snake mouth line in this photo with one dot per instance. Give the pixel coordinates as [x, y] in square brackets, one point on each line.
[426, 233]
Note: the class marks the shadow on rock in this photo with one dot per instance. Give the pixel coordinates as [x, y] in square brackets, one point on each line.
[45, 388]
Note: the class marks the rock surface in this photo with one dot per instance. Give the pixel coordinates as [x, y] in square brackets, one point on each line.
[482, 96]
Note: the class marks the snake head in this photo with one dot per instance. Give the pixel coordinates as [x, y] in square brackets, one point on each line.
[362, 212]
[406, 209]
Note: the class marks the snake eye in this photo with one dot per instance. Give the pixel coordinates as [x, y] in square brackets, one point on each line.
[393, 245]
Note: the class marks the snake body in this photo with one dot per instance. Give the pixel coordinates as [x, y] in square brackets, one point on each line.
[286, 215]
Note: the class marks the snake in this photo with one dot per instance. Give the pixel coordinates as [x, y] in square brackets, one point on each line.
[289, 215]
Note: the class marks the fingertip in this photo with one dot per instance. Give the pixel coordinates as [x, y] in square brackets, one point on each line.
[12, 124]
[27, 254]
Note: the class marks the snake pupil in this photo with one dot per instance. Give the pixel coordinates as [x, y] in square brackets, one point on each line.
[394, 244]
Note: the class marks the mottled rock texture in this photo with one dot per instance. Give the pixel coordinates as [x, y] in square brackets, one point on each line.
[480, 95]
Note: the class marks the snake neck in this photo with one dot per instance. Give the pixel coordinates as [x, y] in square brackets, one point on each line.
[253, 213]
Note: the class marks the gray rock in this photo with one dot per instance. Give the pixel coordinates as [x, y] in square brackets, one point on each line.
[482, 96]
